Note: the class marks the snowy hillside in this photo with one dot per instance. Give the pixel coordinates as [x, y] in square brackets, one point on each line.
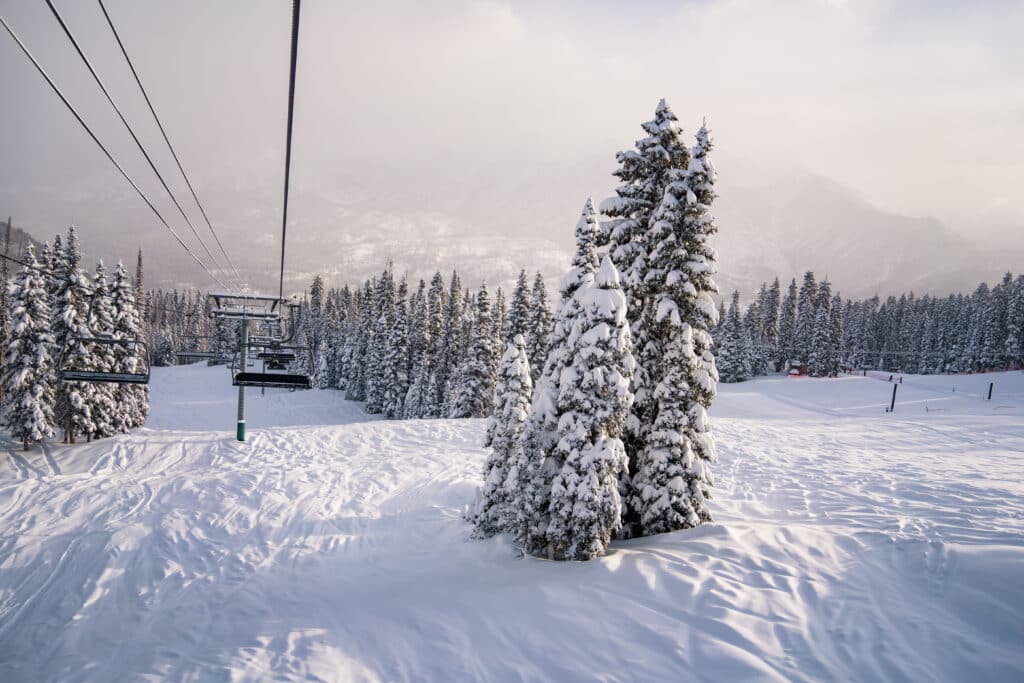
[849, 544]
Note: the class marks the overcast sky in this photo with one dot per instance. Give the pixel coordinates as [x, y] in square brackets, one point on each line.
[916, 105]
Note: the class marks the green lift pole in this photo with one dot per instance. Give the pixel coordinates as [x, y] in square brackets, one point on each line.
[244, 360]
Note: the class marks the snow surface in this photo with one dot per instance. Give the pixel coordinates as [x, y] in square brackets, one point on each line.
[849, 544]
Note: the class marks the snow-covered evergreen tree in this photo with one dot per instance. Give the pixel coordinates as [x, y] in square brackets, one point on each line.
[538, 327]
[594, 399]
[1014, 345]
[671, 487]
[519, 309]
[103, 401]
[396, 360]
[498, 508]
[733, 358]
[69, 310]
[474, 394]
[28, 370]
[132, 399]
[787, 327]
[806, 305]
[538, 464]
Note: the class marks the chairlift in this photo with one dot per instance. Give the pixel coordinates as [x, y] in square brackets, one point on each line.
[274, 375]
[187, 357]
[72, 374]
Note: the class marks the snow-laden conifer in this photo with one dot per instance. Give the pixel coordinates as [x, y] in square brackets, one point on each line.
[474, 393]
[539, 464]
[103, 402]
[69, 310]
[498, 508]
[538, 328]
[396, 358]
[519, 309]
[132, 399]
[593, 401]
[733, 357]
[28, 369]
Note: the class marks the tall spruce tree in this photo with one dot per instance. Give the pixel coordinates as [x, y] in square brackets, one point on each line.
[474, 395]
[102, 358]
[538, 328]
[70, 310]
[519, 309]
[497, 509]
[28, 370]
[538, 462]
[594, 399]
[132, 399]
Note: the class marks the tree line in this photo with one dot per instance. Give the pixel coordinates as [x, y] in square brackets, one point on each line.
[813, 330]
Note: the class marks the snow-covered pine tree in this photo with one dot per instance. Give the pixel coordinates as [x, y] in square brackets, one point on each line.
[684, 314]
[806, 305]
[132, 399]
[536, 462]
[498, 508]
[820, 360]
[770, 320]
[634, 236]
[753, 323]
[448, 355]
[381, 323]
[316, 333]
[396, 360]
[499, 321]
[28, 370]
[836, 358]
[538, 327]
[69, 313]
[103, 404]
[733, 350]
[594, 399]
[474, 393]
[519, 309]
[787, 328]
[1014, 346]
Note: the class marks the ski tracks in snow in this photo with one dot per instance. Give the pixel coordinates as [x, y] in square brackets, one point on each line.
[843, 548]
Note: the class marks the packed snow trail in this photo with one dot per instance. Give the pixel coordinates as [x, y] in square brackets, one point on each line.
[848, 545]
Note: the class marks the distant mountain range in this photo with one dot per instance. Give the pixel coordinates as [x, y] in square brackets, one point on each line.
[488, 224]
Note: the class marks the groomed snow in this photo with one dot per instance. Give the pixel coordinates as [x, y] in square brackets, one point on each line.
[849, 544]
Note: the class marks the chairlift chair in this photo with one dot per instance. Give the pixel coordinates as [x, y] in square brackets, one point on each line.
[72, 374]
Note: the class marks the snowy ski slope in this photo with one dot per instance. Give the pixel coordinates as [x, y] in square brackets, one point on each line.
[849, 544]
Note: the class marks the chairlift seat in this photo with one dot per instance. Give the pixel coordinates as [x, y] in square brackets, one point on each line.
[96, 376]
[276, 355]
[271, 379]
[71, 374]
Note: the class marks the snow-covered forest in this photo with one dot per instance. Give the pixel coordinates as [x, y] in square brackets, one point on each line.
[808, 328]
[48, 314]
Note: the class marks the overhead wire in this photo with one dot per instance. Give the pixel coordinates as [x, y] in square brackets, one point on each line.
[296, 4]
[131, 131]
[163, 132]
[56, 89]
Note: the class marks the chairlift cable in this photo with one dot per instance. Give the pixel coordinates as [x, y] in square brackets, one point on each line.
[163, 132]
[131, 131]
[105, 151]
